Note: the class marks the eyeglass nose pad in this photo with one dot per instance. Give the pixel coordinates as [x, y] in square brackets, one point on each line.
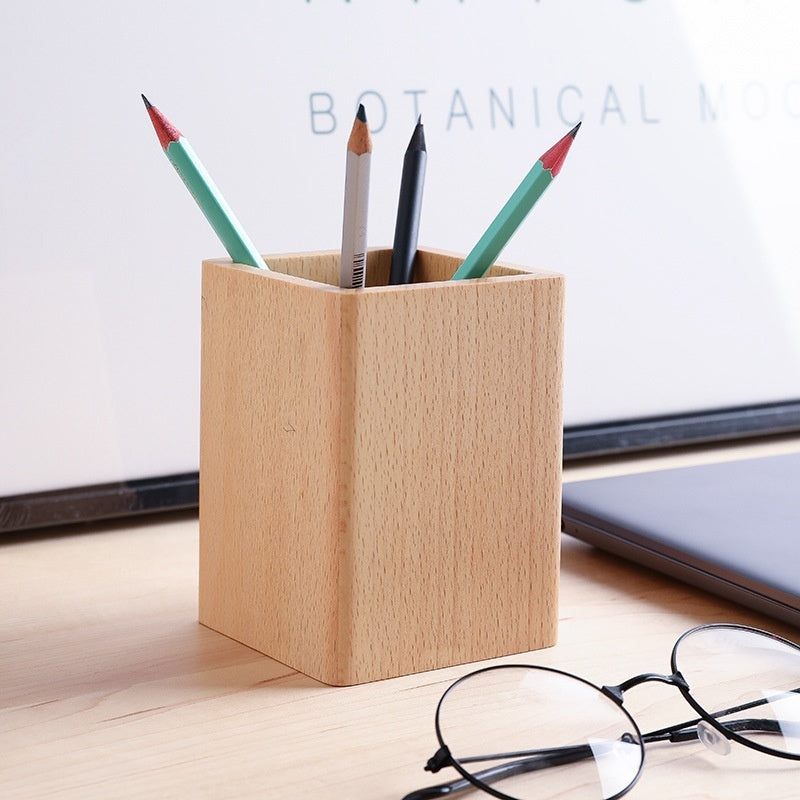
[713, 739]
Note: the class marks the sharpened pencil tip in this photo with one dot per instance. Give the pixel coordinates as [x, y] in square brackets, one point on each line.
[554, 158]
[165, 130]
[418, 136]
[360, 141]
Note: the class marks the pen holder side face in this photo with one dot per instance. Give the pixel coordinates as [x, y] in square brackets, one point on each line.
[380, 469]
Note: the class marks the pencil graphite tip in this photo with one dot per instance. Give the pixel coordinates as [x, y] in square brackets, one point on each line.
[147, 103]
[361, 113]
[417, 137]
[574, 132]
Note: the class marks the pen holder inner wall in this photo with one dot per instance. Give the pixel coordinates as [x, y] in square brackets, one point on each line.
[429, 266]
[380, 468]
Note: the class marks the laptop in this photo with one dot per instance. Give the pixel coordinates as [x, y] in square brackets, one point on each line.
[731, 528]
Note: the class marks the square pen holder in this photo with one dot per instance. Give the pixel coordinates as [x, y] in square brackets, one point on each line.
[380, 468]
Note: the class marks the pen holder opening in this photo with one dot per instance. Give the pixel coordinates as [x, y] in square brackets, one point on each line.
[380, 469]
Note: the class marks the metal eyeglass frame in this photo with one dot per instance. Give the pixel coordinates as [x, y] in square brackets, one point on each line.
[692, 730]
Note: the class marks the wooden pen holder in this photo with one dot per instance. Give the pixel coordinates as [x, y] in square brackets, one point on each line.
[380, 468]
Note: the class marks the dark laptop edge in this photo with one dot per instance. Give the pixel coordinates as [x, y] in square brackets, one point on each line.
[693, 574]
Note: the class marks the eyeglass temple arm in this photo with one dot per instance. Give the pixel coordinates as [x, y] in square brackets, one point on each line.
[687, 731]
[440, 790]
[527, 761]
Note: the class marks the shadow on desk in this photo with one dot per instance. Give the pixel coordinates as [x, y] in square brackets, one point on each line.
[104, 660]
[99, 613]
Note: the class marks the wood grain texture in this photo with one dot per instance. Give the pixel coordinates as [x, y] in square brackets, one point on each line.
[110, 689]
[380, 469]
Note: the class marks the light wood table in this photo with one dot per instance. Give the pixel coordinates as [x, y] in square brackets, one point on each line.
[109, 688]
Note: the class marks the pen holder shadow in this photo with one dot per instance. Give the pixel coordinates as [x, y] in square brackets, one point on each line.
[380, 468]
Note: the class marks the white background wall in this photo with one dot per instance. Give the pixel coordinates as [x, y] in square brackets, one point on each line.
[674, 219]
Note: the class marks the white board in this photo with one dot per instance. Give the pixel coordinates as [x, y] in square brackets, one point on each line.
[674, 217]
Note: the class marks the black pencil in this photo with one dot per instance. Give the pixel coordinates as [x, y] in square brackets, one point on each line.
[408, 208]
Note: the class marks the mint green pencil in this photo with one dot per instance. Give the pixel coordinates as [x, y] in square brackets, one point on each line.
[205, 192]
[485, 252]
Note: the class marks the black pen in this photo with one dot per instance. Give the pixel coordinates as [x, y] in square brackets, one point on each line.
[408, 208]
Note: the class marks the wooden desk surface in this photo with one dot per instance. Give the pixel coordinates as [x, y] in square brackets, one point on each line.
[109, 687]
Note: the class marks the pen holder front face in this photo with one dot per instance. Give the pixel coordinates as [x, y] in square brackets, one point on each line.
[380, 469]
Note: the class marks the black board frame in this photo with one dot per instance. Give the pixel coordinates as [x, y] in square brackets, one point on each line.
[150, 495]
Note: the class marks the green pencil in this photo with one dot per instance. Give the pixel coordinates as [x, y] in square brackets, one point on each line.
[485, 252]
[205, 192]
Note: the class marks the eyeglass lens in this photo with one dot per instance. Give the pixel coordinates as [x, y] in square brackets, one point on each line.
[747, 680]
[535, 732]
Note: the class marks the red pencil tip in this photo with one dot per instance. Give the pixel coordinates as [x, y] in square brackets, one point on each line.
[165, 130]
[554, 158]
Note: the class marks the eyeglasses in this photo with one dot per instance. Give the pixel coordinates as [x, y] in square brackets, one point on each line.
[524, 732]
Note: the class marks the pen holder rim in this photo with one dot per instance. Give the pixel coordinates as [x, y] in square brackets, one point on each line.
[501, 270]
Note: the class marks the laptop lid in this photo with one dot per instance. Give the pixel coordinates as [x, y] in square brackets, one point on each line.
[731, 528]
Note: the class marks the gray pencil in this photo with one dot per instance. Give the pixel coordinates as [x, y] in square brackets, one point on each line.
[352, 268]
